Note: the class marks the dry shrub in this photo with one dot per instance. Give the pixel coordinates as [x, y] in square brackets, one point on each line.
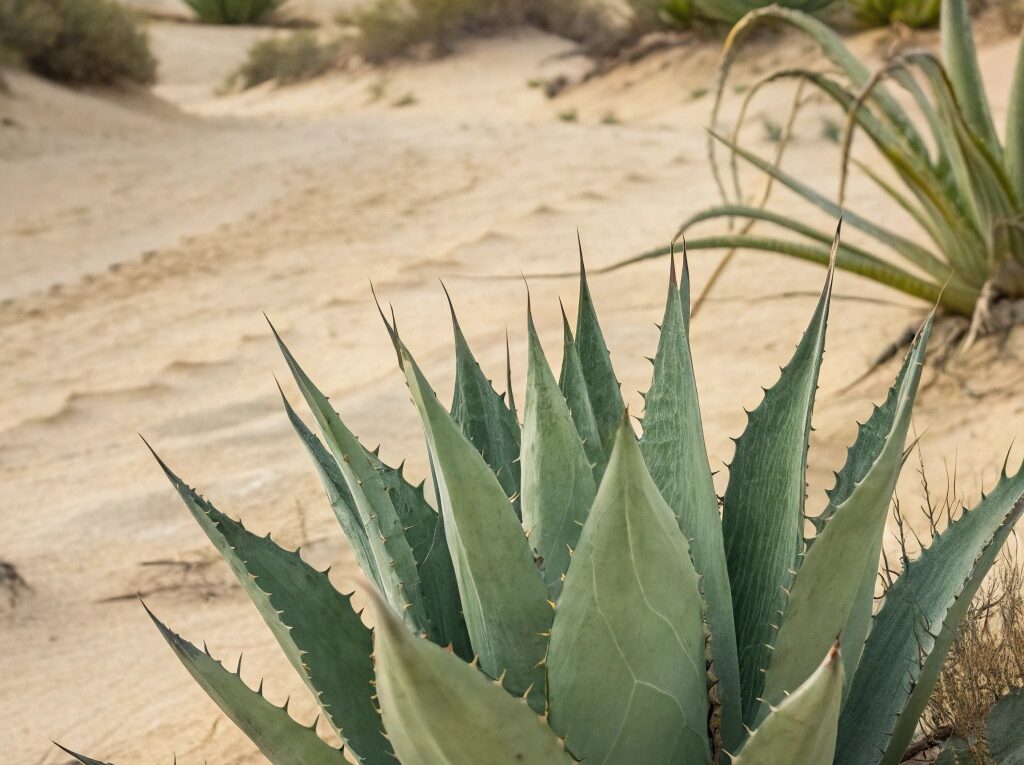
[299, 56]
[77, 41]
[392, 28]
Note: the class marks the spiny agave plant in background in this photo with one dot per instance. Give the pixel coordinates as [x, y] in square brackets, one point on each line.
[916, 14]
[952, 176]
[577, 592]
[232, 11]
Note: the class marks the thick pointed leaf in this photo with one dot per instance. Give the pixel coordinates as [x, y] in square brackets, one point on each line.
[916, 625]
[961, 63]
[281, 740]
[503, 595]
[763, 508]
[626, 667]
[81, 757]
[1004, 732]
[396, 567]
[558, 482]
[802, 729]
[596, 363]
[833, 591]
[486, 420]
[439, 710]
[673, 446]
[340, 498]
[574, 389]
[323, 637]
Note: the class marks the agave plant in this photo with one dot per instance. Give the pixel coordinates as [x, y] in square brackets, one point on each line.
[948, 172]
[879, 13]
[577, 595]
[731, 11]
[232, 11]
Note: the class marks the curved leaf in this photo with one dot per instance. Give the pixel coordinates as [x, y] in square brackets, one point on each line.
[1015, 127]
[802, 729]
[80, 757]
[324, 639]
[558, 481]
[281, 740]
[763, 507]
[673, 447]
[961, 62]
[833, 591]
[503, 594]
[916, 625]
[441, 711]
[626, 665]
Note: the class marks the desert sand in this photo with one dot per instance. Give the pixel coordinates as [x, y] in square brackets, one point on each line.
[142, 235]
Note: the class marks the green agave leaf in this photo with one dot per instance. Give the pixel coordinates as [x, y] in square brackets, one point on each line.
[574, 389]
[626, 666]
[324, 639]
[80, 757]
[503, 595]
[281, 740]
[558, 482]
[763, 507]
[1004, 733]
[395, 565]
[484, 417]
[802, 729]
[424, 530]
[340, 498]
[915, 627]
[833, 591]
[440, 710]
[961, 63]
[956, 751]
[1015, 127]
[596, 363]
[673, 446]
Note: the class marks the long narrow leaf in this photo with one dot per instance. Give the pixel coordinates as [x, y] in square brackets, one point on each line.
[503, 595]
[916, 626]
[558, 481]
[763, 507]
[574, 389]
[961, 62]
[674, 449]
[832, 593]
[280, 739]
[1015, 127]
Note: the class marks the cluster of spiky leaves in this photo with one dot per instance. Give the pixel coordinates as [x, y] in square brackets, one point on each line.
[576, 595]
[954, 179]
[731, 11]
[232, 11]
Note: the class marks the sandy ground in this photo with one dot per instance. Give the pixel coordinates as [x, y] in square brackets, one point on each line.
[142, 235]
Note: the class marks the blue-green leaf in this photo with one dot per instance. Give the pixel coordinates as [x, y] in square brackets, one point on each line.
[324, 639]
[503, 595]
[626, 667]
[916, 625]
[558, 481]
[281, 740]
[833, 591]
[1004, 731]
[673, 446]
[440, 710]
[574, 389]
[763, 507]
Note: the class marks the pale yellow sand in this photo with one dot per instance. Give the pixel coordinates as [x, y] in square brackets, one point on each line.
[140, 241]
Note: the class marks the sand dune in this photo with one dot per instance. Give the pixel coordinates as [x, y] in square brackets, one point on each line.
[142, 236]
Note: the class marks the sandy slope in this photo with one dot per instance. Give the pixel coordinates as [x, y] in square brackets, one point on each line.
[139, 243]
